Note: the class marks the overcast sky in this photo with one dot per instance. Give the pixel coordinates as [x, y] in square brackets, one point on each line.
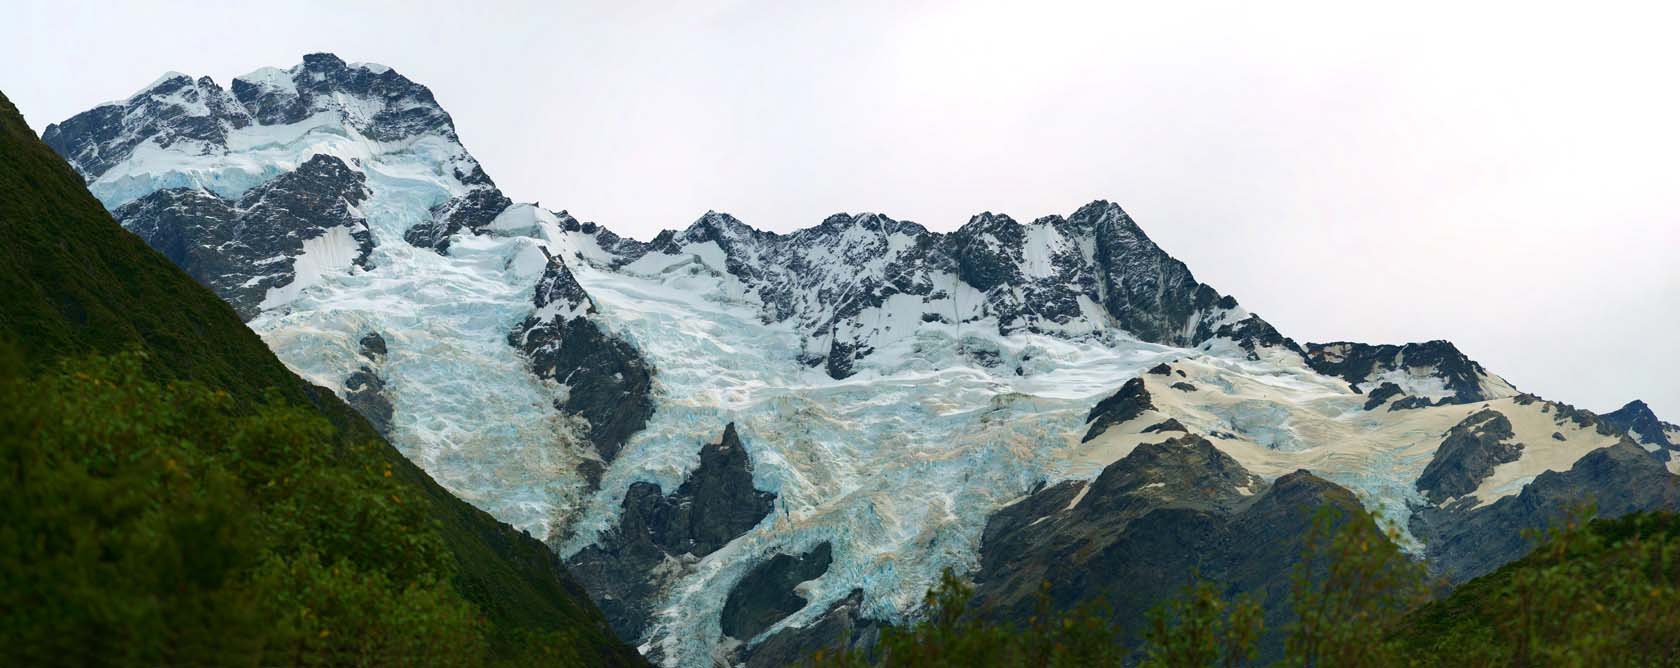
[1504, 177]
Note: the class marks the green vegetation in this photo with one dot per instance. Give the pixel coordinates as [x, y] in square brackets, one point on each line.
[1201, 628]
[1593, 594]
[1351, 591]
[1599, 593]
[950, 636]
[152, 524]
[116, 558]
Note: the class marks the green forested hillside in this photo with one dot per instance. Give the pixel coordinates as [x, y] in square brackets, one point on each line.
[173, 493]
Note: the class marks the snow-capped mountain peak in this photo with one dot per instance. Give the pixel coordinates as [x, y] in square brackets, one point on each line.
[888, 390]
[181, 132]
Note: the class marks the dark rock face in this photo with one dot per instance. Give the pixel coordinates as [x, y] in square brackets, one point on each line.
[1149, 293]
[365, 392]
[472, 212]
[1562, 412]
[1357, 363]
[1411, 403]
[96, 140]
[407, 108]
[1637, 420]
[1129, 402]
[1464, 542]
[609, 384]
[373, 101]
[1170, 424]
[841, 626]
[1468, 455]
[1135, 535]
[659, 535]
[373, 346]
[1183, 387]
[1040, 277]
[1252, 334]
[242, 248]
[766, 594]
[178, 109]
[1383, 393]
[364, 389]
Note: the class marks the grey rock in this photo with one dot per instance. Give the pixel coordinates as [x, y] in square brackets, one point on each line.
[408, 108]
[1637, 419]
[842, 626]
[472, 212]
[659, 535]
[1464, 542]
[1468, 455]
[98, 139]
[1383, 393]
[1170, 424]
[1412, 403]
[365, 392]
[242, 248]
[825, 277]
[609, 383]
[1358, 362]
[766, 594]
[373, 347]
[1124, 405]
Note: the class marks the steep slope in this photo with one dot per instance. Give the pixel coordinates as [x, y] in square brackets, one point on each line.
[74, 283]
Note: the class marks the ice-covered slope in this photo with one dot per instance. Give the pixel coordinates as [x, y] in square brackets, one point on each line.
[198, 169]
[892, 387]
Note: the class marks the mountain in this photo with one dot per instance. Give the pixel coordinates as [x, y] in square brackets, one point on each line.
[74, 284]
[1643, 425]
[788, 436]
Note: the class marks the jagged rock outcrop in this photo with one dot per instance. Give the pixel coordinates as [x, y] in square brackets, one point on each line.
[1640, 422]
[364, 389]
[323, 81]
[767, 593]
[175, 109]
[1382, 394]
[472, 211]
[1169, 424]
[198, 117]
[1467, 456]
[658, 535]
[605, 379]
[1130, 401]
[1136, 534]
[847, 282]
[282, 234]
[1460, 379]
